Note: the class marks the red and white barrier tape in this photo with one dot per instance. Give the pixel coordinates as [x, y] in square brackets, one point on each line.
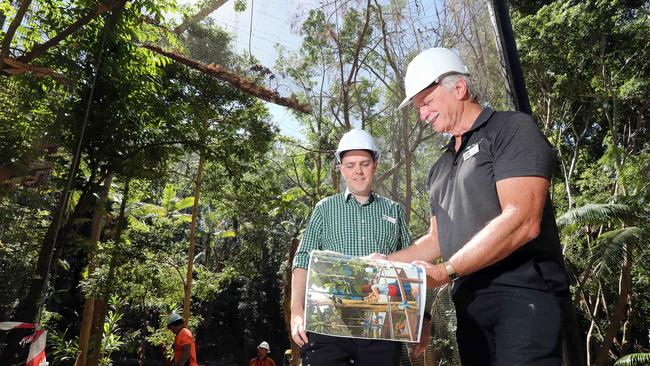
[36, 355]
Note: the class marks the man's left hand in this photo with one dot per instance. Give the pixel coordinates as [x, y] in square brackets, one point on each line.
[436, 273]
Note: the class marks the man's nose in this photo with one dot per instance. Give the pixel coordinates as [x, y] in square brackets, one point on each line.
[422, 113]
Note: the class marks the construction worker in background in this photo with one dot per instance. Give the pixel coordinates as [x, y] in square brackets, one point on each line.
[184, 348]
[357, 222]
[262, 358]
[492, 222]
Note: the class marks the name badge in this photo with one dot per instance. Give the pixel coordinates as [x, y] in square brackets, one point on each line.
[392, 220]
[470, 151]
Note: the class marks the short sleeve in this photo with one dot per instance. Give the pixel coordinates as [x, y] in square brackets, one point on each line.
[311, 239]
[520, 149]
[405, 237]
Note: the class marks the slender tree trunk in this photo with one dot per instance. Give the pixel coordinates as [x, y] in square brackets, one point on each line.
[195, 217]
[95, 232]
[408, 195]
[27, 308]
[97, 331]
[101, 303]
[286, 300]
[618, 315]
[592, 326]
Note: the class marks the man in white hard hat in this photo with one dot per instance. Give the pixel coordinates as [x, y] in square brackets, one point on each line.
[262, 358]
[492, 224]
[357, 222]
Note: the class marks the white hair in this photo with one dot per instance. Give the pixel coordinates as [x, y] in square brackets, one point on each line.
[449, 82]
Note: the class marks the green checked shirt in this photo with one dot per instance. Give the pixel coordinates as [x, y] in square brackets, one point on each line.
[341, 224]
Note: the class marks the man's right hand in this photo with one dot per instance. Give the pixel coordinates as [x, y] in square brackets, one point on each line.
[298, 333]
[377, 256]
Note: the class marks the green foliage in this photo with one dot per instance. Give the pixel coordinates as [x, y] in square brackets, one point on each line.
[112, 340]
[63, 349]
[634, 359]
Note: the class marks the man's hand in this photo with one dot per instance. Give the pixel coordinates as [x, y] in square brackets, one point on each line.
[436, 273]
[425, 336]
[298, 333]
[377, 256]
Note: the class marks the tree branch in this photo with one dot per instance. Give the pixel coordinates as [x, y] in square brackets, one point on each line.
[242, 83]
[39, 49]
[18, 67]
[11, 31]
[214, 5]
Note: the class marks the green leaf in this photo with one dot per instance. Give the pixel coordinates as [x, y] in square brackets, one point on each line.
[634, 359]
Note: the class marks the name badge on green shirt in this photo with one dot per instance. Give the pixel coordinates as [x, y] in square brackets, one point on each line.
[392, 220]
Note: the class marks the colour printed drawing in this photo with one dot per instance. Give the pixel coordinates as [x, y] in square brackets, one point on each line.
[361, 298]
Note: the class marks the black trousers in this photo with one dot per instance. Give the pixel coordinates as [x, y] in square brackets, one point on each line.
[503, 325]
[322, 350]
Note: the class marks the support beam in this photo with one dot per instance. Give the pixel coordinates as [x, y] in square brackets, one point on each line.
[516, 84]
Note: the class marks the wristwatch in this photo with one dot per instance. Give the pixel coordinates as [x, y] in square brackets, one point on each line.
[451, 272]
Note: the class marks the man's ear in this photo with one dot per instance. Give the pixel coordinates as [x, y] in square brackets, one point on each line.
[460, 89]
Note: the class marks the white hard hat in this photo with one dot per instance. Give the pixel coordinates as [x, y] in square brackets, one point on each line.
[173, 318]
[357, 139]
[265, 345]
[429, 67]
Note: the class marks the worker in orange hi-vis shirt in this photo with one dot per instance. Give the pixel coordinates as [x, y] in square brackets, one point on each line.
[184, 348]
[262, 358]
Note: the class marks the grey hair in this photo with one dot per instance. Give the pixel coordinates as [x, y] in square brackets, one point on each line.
[449, 82]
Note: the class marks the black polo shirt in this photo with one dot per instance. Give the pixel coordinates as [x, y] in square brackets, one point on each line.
[463, 198]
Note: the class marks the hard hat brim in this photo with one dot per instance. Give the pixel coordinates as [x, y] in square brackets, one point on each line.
[405, 102]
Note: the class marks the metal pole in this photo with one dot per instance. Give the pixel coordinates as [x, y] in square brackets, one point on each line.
[572, 353]
[510, 56]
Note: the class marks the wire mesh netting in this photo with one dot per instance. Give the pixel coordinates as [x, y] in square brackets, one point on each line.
[442, 348]
[49, 44]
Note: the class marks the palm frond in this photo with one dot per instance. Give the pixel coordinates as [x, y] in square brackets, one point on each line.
[597, 213]
[634, 359]
[611, 248]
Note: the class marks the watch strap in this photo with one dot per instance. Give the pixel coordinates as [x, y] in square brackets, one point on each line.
[451, 272]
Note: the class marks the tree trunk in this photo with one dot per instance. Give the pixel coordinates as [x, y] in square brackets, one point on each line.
[95, 232]
[592, 326]
[618, 315]
[195, 217]
[97, 331]
[286, 300]
[408, 195]
[27, 308]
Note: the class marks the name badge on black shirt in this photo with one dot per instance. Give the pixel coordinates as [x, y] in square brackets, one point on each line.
[470, 151]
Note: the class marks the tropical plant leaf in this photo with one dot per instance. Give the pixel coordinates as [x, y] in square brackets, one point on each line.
[184, 203]
[611, 248]
[634, 359]
[226, 234]
[292, 194]
[597, 214]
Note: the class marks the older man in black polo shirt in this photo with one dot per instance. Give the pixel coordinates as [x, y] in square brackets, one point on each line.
[492, 222]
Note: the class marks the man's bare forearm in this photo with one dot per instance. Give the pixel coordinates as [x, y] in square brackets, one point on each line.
[298, 283]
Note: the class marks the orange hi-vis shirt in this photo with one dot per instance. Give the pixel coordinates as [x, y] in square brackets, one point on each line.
[265, 362]
[182, 338]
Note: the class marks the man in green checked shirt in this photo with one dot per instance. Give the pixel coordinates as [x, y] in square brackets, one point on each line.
[357, 222]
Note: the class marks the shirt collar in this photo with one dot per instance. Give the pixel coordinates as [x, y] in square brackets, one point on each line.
[348, 194]
[482, 119]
